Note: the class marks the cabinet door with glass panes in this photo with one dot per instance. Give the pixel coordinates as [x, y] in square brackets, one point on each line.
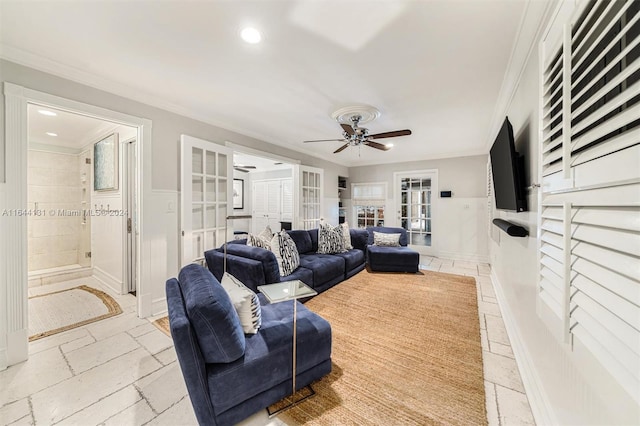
[367, 216]
[415, 210]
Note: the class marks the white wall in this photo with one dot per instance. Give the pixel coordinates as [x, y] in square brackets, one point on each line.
[107, 230]
[461, 221]
[563, 386]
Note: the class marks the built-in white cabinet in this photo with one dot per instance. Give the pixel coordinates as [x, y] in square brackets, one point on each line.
[272, 203]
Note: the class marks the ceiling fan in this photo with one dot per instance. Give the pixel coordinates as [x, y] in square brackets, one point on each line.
[354, 135]
[242, 168]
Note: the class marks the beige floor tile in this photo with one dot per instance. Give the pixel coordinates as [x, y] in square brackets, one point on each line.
[496, 330]
[489, 309]
[492, 404]
[167, 356]
[40, 371]
[180, 414]
[138, 414]
[465, 264]
[484, 340]
[483, 323]
[77, 344]
[15, 411]
[100, 352]
[155, 341]
[500, 349]
[115, 325]
[513, 407]
[56, 340]
[261, 418]
[65, 398]
[104, 408]
[24, 421]
[163, 388]
[487, 289]
[501, 370]
[142, 329]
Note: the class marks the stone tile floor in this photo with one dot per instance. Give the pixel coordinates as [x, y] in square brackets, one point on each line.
[123, 370]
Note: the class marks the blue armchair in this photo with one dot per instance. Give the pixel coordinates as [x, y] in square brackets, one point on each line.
[391, 259]
[230, 375]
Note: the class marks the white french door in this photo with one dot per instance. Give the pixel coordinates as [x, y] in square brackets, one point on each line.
[308, 182]
[415, 201]
[205, 196]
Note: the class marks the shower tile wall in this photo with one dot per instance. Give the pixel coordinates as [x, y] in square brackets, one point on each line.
[54, 184]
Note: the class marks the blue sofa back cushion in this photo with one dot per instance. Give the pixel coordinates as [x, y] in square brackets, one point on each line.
[212, 315]
[387, 230]
[302, 240]
[359, 238]
[268, 259]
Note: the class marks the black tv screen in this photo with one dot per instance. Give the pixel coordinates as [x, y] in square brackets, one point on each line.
[508, 171]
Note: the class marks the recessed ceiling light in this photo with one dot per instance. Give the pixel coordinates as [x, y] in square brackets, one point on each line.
[389, 145]
[47, 112]
[251, 35]
[52, 134]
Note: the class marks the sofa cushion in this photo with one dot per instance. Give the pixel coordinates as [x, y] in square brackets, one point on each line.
[302, 240]
[303, 274]
[286, 253]
[269, 262]
[267, 360]
[359, 238]
[212, 315]
[313, 233]
[330, 239]
[387, 230]
[352, 258]
[325, 267]
[393, 259]
[244, 301]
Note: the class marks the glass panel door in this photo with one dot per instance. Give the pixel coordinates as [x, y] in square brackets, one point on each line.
[415, 203]
[310, 181]
[205, 190]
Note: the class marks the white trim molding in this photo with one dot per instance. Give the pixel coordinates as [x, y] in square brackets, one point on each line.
[538, 400]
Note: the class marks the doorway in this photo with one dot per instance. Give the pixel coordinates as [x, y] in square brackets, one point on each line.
[416, 201]
[14, 262]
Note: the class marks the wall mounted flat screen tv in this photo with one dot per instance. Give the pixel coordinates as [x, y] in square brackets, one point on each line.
[508, 171]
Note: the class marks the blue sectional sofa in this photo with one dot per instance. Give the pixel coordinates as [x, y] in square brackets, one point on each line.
[230, 375]
[255, 266]
[391, 259]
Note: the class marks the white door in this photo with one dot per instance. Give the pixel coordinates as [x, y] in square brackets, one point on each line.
[286, 200]
[267, 204]
[259, 203]
[415, 199]
[308, 183]
[205, 197]
[130, 200]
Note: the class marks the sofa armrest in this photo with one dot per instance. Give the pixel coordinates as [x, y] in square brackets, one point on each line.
[249, 271]
[189, 355]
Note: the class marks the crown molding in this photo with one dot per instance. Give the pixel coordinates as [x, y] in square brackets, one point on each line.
[530, 31]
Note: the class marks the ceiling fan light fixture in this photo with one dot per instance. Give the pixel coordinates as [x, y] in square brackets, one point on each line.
[389, 145]
[251, 35]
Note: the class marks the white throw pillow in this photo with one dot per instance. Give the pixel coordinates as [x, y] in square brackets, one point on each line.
[266, 233]
[346, 235]
[286, 252]
[245, 301]
[330, 239]
[257, 241]
[386, 240]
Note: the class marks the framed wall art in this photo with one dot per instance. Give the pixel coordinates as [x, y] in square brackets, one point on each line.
[105, 164]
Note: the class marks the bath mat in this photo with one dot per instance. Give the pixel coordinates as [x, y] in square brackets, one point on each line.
[63, 310]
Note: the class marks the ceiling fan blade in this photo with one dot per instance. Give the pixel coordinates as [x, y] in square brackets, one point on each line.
[347, 128]
[377, 145]
[393, 134]
[241, 170]
[244, 167]
[341, 148]
[325, 140]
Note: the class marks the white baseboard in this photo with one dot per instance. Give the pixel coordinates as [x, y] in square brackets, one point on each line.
[538, 399]
[109, 281]
[462, 256]
[159, 306]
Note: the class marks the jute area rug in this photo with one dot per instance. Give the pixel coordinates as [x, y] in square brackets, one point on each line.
[406, 351]
[63, 310]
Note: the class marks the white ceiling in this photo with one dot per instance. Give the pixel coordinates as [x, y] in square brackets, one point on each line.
[261, 164]
[435, 67]
[74, 131]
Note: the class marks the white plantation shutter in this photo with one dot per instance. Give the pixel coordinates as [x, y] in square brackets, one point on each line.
[590, 168]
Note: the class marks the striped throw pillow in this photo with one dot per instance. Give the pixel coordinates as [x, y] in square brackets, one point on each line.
[330, 239]
[245, 301]
[286, 252]
[386, 240]
[257, 241]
